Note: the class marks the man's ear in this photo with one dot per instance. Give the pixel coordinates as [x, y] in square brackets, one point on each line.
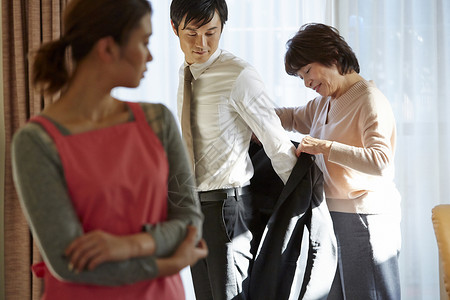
[175, 30]
[107, 49]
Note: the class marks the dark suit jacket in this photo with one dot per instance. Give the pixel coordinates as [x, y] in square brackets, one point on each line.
[288, 210]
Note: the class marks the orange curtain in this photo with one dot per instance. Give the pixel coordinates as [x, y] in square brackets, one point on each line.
[26, 24]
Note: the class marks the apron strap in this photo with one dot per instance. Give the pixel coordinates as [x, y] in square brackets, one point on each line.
[138, 113]
[142, 122]
[48, 125]
[55, 133]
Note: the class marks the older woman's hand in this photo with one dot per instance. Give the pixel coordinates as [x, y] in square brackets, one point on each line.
[314, 146]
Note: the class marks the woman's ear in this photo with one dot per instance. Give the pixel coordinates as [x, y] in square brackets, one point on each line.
[107, 49]
[338, 65]
[335, 61]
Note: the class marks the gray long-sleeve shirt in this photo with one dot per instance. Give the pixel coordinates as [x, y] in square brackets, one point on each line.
[39, 180]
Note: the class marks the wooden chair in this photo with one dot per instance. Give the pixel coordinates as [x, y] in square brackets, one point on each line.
[441, 224]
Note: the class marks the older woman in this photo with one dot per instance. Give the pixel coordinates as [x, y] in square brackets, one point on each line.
[351, 128]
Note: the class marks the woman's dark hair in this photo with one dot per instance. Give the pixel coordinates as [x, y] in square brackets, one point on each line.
[322, 44]
[85, 22]
[198, 10]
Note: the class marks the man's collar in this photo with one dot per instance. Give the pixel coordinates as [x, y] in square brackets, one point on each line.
[198, 69]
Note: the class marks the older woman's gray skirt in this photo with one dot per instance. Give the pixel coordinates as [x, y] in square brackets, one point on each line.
[368, 249]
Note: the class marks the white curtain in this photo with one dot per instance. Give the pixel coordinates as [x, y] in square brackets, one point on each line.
[403, 45]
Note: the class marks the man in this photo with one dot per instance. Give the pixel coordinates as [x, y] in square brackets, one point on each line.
[227, 102]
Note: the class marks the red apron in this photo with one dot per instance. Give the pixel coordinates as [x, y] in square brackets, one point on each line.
[117, 181]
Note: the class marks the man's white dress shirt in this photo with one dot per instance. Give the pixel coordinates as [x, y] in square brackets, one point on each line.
[229, 102]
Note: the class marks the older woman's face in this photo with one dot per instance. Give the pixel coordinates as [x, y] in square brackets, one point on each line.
[324, 80]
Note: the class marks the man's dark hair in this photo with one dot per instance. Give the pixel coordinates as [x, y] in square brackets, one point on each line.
[201, 11]
[322, 44]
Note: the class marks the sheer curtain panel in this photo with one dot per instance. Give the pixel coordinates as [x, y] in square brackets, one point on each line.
[404, 47]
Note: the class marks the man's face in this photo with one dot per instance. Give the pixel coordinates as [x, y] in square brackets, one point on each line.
[199, 43]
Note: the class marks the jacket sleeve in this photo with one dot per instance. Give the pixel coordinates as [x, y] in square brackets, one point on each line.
[322, 258]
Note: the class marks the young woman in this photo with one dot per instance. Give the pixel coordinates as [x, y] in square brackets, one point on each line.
[105, 185]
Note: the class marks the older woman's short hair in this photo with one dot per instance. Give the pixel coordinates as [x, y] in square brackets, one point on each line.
[322, 44]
